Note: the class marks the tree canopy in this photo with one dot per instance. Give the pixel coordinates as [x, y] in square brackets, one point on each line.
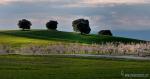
[24, 24]
[52, 25]
[82, 26]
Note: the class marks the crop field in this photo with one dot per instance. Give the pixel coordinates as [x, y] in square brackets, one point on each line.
[44, 42]
[62, 67]
[30, 55]
[139, 49]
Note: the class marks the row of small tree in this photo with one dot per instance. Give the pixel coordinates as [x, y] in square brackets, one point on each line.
[26, 24]
[79, 25]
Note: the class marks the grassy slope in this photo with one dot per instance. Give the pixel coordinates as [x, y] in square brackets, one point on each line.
[44, 36]
[60, 67]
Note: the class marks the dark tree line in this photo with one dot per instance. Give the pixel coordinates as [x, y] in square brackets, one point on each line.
[79, 25]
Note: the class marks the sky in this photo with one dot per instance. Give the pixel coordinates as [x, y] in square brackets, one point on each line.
[130, 18]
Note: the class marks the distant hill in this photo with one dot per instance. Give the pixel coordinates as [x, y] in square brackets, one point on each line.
[46, 36]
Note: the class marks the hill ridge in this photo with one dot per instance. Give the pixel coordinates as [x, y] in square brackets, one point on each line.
[67, 36]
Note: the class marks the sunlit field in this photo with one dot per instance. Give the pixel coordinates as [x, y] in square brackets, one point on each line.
[42, 54]
[74, 39]
[63, 67]
[43, 42]
[40, 36]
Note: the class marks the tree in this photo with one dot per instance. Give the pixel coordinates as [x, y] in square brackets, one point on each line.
[82, 26]
[24, 24]
[105, 32]
[52, 25]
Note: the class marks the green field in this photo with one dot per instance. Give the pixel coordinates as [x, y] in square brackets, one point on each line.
[61, 67]
[64, 67]
[45, 36]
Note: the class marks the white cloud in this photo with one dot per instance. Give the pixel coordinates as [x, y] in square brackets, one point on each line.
[115, 17]
[115, 1]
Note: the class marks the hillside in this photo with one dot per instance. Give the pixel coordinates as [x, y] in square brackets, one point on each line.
[45, 36]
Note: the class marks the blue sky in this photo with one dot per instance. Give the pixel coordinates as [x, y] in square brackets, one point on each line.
[130, 18]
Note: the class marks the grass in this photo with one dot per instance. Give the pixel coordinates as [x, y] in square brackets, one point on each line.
[62, 67]
[45, 36]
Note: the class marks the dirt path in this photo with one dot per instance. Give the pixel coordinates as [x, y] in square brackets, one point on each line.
[108, 56]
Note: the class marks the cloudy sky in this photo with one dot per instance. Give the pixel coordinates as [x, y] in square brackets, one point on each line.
[129, 18]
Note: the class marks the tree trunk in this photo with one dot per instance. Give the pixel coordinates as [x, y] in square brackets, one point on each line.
[23, 29]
